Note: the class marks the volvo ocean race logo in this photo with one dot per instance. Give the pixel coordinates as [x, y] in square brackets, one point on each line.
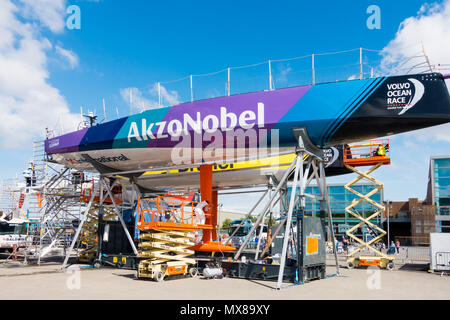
[330, 154]
[403, 96]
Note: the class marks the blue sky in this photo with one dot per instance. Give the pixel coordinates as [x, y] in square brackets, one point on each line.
[143, 42]
[134, 44]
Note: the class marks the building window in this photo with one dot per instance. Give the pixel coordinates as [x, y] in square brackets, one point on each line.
[442, 182]
[443, 211]
[442, 162]
[442, 172]
[442, 192]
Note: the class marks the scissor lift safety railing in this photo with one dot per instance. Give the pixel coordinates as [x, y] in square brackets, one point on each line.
[86, 193]
[166, 226]
[168, 213]
[374, 153]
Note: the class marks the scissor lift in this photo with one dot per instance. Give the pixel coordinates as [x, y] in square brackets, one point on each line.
[374, 153]
[167, 229]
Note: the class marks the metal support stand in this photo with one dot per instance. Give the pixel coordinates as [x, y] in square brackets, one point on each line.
[100, 221]
[103, 185]
[299, 245]
[309, 161]
[77, 233]
[298, 165]
[260, 217]
[130, 239]
[248, 216]
[269, 189]
[330, 216]
[304, 168]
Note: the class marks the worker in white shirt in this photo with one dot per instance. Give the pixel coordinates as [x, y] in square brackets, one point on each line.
[200, 218]
[200, 210]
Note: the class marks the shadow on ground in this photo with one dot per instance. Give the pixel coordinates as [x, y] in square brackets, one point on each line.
[414, 267]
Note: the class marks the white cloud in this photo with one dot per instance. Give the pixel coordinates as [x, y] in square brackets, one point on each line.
[439, 133]
[407, 176]
[138, 102]
[28, 103]
[68, 55]
[49, 13]
[430, 26]
[168, 97]
[141, 103]
[284, 71]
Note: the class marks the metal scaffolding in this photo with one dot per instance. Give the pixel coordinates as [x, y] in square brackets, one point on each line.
[53, 204]
[306, 167]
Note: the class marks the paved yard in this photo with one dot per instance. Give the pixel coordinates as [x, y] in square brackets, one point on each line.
[47, 282]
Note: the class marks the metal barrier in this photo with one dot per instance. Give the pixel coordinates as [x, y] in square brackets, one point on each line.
[413, 255]
[418, 255]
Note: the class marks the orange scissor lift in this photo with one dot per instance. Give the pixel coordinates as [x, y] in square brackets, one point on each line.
[373, 153]
[168, 226]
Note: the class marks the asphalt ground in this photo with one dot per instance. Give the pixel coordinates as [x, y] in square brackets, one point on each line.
[409, 281]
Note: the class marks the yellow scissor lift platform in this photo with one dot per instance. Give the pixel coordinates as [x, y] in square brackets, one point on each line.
[168, 254]
[167, 229]
[374, 153]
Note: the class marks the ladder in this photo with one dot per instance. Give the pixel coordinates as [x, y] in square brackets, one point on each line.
[373, 153]
[89, 232]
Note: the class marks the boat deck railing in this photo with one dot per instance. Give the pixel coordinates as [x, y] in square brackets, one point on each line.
[310, 69]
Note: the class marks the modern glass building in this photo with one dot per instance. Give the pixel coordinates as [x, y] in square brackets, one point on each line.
[439, 191]
[340, 198]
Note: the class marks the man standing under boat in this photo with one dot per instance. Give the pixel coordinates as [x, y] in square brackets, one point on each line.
[200, 210]
[200, 217]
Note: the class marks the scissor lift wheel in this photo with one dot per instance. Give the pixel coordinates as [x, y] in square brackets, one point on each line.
[193, 272]
[159, 276]
[390, 265]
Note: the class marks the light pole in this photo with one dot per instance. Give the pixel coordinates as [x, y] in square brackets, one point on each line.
[388, 214]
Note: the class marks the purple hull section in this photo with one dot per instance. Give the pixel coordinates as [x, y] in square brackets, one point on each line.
[332, 113]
